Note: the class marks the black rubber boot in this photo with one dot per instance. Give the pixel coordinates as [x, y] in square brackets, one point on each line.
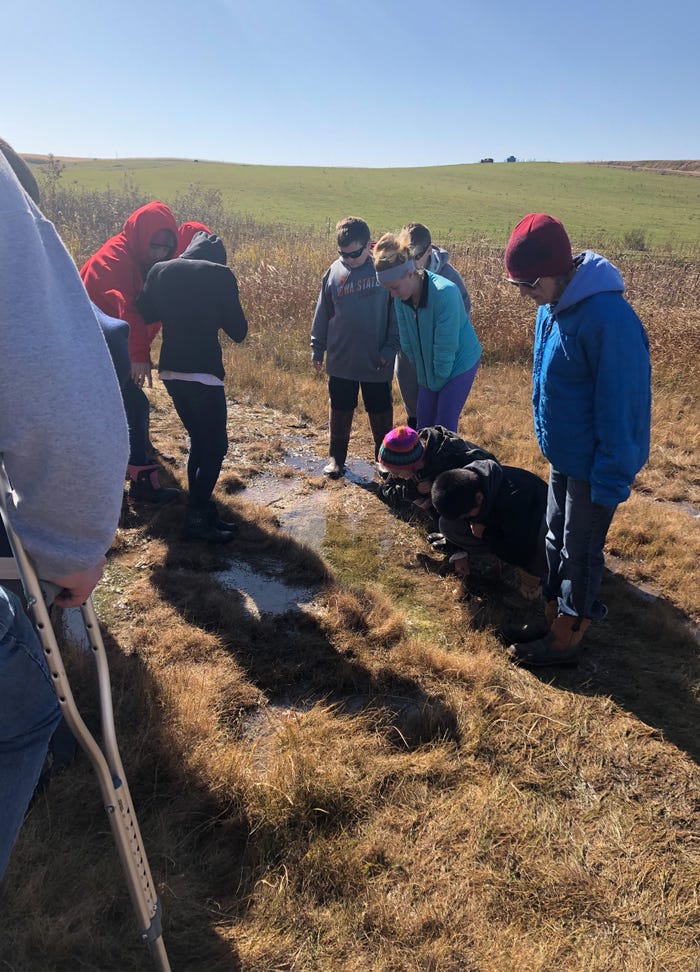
[199, 526]
[144, 486]
[340, 425]
[380, 423]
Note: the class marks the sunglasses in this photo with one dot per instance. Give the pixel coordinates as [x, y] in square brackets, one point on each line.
[419, 256]
[352, 254]
[530, 284]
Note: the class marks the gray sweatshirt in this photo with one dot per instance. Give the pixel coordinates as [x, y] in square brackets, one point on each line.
[439, 262]
[354, 324]
[63, 434]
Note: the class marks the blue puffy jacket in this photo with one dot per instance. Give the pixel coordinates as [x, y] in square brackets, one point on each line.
[591, 382]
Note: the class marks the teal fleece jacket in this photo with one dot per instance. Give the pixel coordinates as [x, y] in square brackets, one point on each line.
[437, 336]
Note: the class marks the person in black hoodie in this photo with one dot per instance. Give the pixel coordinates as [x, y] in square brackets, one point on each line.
[499, 508]
[195, 296]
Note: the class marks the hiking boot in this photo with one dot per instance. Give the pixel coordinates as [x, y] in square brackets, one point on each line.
[199, 526]
[145, 486]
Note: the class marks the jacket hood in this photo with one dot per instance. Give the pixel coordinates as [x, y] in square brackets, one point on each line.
[185, 233]
[490, 475]
[142, 226]
[205, 246]
[438, 258]
[594, 275]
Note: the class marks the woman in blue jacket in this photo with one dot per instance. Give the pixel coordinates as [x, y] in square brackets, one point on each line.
[434, 329]
[591, 399]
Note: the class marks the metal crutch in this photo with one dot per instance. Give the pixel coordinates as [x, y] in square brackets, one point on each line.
[107, 764]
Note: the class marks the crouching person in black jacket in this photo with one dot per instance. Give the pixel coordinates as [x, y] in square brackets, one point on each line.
[195, 296]
[500, 509]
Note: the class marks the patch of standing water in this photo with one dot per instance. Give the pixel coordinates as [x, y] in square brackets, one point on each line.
[307, 521]
[70, 627]
[360, 472]
[269, 490]
[264, 593]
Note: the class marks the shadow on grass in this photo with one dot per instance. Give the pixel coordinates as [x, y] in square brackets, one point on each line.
[66, 863]
[292, 658]
[644, 656]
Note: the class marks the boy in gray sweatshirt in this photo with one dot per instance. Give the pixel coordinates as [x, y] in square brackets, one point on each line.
[355, 328]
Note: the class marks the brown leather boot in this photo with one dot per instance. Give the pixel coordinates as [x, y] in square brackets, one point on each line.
[340, 426]
[561, 646]
[380, 423]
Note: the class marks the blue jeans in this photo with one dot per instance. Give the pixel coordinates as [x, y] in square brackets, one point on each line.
[138, 410]
[29, 713]
[576, 532]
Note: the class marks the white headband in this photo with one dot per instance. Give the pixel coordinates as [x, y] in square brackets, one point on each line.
[394, 273]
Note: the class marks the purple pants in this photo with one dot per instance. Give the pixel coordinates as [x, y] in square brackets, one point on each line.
[445, 406]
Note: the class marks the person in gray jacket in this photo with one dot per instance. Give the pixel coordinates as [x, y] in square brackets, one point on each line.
[429, 256]
[64, 444]
[355, 328]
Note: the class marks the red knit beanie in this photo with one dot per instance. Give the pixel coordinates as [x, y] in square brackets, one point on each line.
[538, 247]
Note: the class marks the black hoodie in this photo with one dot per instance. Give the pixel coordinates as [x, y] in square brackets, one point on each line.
[515, 502]
[194, 296]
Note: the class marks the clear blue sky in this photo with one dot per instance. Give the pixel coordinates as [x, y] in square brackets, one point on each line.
[382, 83]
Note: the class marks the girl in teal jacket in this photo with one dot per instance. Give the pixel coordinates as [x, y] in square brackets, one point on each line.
[435, 332]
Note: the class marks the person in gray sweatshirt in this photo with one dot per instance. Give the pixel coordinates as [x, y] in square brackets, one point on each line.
[355, 329]
[64, 444]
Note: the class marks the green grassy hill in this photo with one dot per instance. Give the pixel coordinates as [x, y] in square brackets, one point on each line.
[596, 203]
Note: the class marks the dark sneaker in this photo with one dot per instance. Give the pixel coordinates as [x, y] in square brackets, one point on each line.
[146, 488]
[198, 526]
[214, 520]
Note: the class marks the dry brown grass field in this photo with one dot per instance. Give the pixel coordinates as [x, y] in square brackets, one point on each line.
[364, 783]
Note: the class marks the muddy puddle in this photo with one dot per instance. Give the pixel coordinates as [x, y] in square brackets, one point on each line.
[304, 512]
[263, 591]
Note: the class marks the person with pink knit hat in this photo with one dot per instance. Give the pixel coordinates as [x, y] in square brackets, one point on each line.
[412, 460]
[591, 401]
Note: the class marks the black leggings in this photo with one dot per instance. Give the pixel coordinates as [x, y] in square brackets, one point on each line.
[343, 393]
[202, 409]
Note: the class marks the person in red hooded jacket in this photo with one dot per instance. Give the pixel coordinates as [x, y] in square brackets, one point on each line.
[113, 278]
[186, 232]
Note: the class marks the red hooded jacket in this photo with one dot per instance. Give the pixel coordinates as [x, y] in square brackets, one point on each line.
[185, 233]
[114, 276]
